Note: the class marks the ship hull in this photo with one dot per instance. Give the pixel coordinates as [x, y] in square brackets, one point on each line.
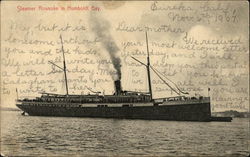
[180, 112]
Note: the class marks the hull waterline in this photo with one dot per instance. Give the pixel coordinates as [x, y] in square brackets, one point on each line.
[187, 112]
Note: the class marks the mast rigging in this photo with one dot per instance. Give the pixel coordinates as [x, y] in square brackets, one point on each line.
[64, 68]
[148, 66]
[148, 69]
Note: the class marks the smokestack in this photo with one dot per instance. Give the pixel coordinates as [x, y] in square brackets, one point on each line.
[118, 87]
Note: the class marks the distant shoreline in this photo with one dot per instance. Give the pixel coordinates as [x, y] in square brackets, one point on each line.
[231, 113]
[9, 109]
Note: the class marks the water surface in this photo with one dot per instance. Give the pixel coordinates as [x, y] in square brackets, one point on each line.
[59, 136]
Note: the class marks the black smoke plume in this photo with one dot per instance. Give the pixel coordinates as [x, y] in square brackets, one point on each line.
[101, 28]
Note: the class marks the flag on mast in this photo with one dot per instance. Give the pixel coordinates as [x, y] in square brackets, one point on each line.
[16, 94]
[208, 91]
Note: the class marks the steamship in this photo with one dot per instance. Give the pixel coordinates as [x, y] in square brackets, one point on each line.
[121, 104]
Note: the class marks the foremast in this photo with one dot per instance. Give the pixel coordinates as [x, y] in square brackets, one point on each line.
[64, 68]
[148, 69]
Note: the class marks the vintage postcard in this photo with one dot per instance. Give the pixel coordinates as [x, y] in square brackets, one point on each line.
[124, 78]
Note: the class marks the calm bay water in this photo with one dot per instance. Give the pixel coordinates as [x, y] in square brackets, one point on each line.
[59, 136]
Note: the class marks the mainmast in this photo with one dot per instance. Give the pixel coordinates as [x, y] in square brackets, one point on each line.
[177, 90]
[64, 68]
[148, 69]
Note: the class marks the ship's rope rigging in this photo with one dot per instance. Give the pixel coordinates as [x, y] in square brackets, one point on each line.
[178, 91]
[92, 90]
[164, 81]
[158, 72]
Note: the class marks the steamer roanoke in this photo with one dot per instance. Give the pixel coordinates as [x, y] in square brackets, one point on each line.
[121, 104]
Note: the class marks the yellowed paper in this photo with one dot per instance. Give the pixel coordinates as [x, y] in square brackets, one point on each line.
[202, 47]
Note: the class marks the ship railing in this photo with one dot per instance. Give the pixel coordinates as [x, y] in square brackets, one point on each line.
[182, 102]
[182, 99]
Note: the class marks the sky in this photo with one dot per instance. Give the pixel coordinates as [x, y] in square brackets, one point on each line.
[196, 45]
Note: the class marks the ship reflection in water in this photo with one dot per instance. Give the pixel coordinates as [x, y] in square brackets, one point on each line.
[62, 136]
[122, 104]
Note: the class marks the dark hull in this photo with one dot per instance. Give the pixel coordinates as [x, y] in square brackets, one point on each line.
[186, 112]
